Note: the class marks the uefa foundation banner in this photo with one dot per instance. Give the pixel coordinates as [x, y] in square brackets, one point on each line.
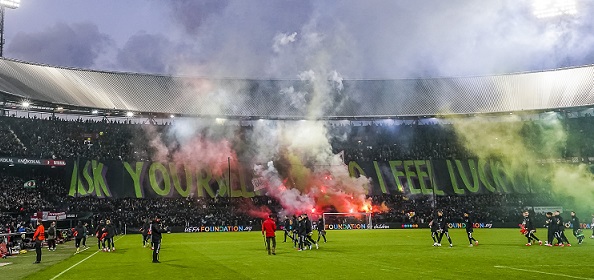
[141, 179]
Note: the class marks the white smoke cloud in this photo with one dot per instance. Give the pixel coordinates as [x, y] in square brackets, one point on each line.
[308, 75]
[401, 40]
[297, 99]
[303, 172]
[283, 39]
[336, 80]
[433, 38]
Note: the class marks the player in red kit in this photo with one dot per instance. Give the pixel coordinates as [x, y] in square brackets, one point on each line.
[268, 230]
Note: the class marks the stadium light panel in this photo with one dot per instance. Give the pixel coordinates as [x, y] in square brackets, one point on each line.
[25, 104]
[94, 112]
[554, 8]
[172, 116]
[11, 4]
[129, 114]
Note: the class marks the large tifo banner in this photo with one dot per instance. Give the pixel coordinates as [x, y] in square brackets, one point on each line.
[409, 177]
[443, 177]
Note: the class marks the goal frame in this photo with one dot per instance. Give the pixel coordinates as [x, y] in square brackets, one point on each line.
[367, 220]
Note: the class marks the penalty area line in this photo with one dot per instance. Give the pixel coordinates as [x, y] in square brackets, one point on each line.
[542, 272]
[74, 265]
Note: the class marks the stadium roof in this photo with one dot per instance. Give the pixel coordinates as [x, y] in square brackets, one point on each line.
[197, 96]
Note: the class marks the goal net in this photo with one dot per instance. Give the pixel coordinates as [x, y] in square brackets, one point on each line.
[342, 221]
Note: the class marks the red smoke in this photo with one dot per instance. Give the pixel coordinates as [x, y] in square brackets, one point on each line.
[196, 153]
[332, 186]
[310, 178]
[204, 153]
[246, 206]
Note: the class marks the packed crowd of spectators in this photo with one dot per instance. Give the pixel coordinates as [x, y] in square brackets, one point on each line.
[54, 138]
[61, 139]
[57, 138]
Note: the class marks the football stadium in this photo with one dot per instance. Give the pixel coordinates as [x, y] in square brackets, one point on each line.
[127, 175]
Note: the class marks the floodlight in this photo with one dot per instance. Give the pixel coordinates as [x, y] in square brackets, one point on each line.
[94, 112]
[554, 8]
[129, 114]
[25, 104]
[11, 4]
[172, 116]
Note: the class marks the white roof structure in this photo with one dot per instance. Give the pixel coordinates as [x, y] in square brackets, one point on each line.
[571, 87]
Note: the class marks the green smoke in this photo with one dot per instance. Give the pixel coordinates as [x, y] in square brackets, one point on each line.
[529, 149]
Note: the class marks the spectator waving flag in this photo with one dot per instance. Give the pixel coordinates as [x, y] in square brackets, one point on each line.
[30, 184]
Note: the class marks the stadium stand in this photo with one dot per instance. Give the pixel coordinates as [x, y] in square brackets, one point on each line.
[78, 113]
[54, 138]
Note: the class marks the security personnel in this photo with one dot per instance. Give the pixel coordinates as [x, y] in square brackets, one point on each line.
[38, 237]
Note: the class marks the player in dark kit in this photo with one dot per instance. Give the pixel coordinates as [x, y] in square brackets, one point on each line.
[84, 238]
[551, 225]
[433, 225]
[98, 234]
[104, 237]
[469, 229]
[78, 236]
[156, 231]
[145, 232]
[110, 234]
[530, 229]
[321, 229]
[309, 232]
[560, 233]
[442, 228]
[576, 227]
[302, 232]
[288, 228]
[295, 222]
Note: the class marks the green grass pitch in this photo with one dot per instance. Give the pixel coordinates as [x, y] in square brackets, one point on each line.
[356, 254]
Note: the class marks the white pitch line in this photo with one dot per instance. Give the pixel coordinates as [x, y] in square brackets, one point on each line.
[74, 265]
[560, 265]
[82, 250]
[542, 272]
